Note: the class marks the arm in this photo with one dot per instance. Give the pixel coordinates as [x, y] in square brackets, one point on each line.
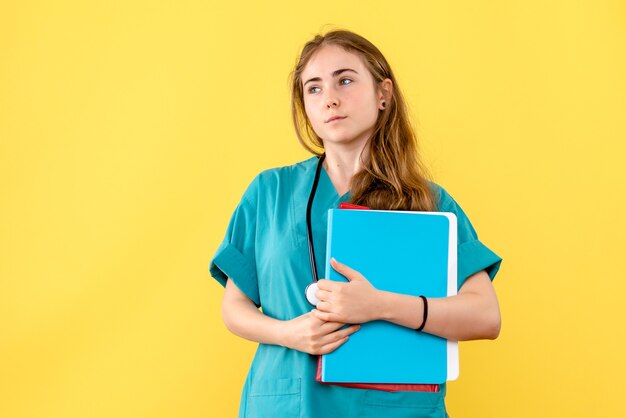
[304, 333]
[472, 314]
[243, 319]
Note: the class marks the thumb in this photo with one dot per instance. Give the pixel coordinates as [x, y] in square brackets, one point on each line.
[347, 272]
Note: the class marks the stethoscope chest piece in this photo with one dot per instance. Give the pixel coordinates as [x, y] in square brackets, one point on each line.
[310, 293]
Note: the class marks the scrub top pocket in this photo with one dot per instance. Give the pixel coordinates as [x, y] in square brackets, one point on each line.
[274, 398]
[377, 403]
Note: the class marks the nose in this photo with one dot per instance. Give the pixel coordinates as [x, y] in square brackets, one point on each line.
[331, 100]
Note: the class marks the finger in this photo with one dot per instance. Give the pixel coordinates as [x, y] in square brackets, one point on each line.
[329, 348]
[323, 295]
[327, 285]
[326, 316]
[316, 314]
[332, 337]
[328, 328]
[340, 334]
[329, 325]
[324, 307]
[347, 272]
[347, 331]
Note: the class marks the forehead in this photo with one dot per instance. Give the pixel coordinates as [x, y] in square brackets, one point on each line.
[329, 58]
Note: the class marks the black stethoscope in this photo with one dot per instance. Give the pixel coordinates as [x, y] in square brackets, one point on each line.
[312, 287]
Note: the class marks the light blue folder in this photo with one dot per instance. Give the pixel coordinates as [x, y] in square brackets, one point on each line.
[413, 253]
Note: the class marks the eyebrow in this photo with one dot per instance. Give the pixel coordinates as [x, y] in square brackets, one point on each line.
[334, 74]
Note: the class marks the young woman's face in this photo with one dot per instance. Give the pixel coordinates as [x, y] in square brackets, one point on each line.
[336, 83]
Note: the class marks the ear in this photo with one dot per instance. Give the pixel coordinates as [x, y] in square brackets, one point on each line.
[385, 91]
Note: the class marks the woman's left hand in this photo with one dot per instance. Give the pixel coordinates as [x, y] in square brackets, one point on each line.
[354, 302]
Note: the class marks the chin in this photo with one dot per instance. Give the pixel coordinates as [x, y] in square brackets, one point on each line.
[339, 138]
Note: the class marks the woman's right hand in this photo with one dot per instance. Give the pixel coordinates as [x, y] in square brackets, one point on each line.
[311, 335]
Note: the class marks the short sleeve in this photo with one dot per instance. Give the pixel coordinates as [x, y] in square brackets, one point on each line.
[473, 256]
[235, 257]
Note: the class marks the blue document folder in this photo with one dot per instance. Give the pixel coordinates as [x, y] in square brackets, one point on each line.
[408, 252]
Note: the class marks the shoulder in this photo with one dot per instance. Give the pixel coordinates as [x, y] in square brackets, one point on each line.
[277, 174]
[442, 197]
[273, 177]
[445, 201]
[269, 181]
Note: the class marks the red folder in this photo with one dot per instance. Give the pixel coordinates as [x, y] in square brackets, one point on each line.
[388, 387]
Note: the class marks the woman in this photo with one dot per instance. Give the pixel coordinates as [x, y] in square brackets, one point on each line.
[346, 101]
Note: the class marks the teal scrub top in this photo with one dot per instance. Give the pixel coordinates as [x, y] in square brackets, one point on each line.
[265, 253]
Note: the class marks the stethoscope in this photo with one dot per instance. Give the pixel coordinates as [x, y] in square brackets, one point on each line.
[312, 287]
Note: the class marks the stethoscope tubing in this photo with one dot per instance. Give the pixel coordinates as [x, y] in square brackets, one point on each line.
[312, 287]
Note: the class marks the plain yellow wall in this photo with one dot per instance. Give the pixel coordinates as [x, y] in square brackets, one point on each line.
[129, 130]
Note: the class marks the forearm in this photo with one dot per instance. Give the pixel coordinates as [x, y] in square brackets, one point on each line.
[246, 321]
[467, 316]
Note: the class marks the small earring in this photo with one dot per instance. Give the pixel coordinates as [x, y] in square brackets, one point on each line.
[383, 103]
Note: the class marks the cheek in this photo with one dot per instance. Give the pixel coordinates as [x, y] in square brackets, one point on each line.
[365, 101]
[316, 124]
[368, 108]
[310, 113]
[306, 107]
[367, 112]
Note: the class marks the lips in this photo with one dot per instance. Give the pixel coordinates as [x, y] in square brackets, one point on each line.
[335, 118]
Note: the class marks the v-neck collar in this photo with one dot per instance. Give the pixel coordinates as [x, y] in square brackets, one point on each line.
[331, 186]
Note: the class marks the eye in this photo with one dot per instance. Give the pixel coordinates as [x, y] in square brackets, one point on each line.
[340, 82]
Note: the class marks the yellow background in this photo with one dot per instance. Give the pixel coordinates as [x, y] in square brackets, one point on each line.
[129, 130]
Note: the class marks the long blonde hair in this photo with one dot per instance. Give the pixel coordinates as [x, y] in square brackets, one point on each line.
[393, 177]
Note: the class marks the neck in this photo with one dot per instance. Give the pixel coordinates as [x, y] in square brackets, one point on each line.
[343, 162]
